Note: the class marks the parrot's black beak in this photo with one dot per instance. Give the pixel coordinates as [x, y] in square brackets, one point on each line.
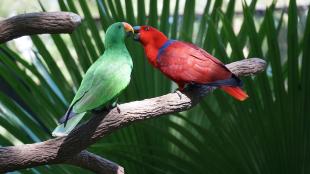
[136, 30]
[136, 36]
[128, 34]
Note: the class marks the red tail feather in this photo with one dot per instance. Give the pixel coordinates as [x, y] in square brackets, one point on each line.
[236, 92]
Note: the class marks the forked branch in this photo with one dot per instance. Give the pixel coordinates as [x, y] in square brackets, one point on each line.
[63, 149]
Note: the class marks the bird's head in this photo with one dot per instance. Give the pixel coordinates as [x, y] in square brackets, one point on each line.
[117, 32]
[148, 35]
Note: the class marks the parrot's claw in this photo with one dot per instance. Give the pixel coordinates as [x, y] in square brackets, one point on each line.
[118, 108]
[179, 93]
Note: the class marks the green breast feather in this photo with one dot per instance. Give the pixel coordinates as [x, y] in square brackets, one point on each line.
[105, 81]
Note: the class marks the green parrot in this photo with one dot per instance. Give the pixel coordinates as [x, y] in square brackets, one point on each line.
[105, 79]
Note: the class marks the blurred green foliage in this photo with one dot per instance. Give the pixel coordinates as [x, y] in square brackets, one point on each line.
[268, 133]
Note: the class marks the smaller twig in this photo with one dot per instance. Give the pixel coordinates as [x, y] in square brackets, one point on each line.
[95, 163]
[249, 67]
[38, 23]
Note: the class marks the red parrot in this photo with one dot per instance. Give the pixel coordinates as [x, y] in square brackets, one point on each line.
[186, 63]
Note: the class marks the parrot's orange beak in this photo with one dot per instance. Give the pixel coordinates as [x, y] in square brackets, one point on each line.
[128, 27]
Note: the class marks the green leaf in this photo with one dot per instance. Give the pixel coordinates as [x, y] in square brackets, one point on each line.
[187, 27]
[164, 19]
[92, 26]
[153, 14]
[202, 25]
[293, 59]
[130, 16]
[256, 51]
[141, 12]
[57, 77]
[82, 31]
[174, 27]
[68, 59]
[275, 60]
[105, 17]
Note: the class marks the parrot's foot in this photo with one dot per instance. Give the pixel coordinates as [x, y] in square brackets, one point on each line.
[59, 134]
[102, 109]
[179, 93]
[116, 105]
[118, 108]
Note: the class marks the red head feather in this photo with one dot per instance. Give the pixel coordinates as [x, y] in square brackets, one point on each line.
[152, 40]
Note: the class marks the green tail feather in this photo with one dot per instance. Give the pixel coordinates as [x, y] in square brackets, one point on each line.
[60, 130]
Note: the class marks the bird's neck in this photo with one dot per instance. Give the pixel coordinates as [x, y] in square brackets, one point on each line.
[117, 53]
[114, 45]
[152, 49]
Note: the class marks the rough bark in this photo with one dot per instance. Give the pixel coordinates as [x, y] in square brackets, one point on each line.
[63, 149]
[95, 163]
[38, 23]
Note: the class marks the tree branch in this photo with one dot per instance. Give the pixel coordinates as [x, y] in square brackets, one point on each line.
[95, 163]
[38, 23]
[62, 149]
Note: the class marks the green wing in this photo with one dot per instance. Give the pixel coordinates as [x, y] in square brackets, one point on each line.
[103, 82]
[87, 80]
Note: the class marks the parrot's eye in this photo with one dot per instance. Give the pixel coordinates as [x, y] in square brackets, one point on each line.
[147, 28]
[119, 26]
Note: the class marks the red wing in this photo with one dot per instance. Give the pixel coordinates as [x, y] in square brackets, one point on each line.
[183, 62]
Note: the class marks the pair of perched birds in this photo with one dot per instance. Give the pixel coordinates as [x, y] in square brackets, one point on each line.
[107, 77]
